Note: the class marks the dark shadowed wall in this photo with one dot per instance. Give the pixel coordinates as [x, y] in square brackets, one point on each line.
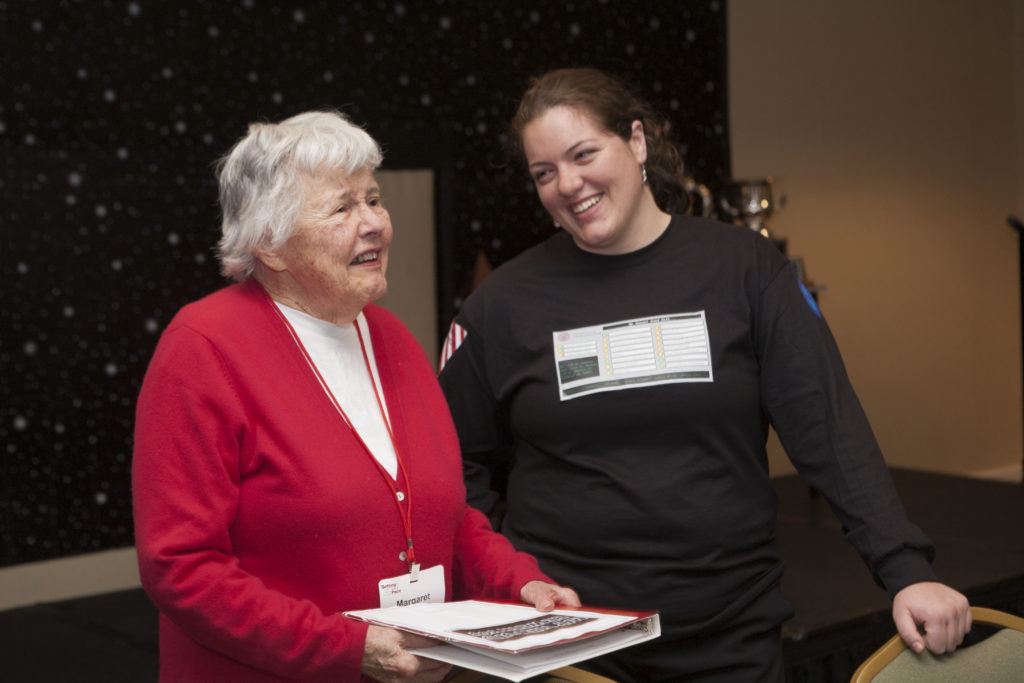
[112, 112]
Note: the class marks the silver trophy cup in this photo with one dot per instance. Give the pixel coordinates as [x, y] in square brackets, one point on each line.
[749, 203]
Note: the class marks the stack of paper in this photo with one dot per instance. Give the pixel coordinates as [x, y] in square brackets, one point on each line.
[515, 641]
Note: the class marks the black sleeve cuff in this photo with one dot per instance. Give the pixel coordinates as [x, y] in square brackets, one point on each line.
[899, 570]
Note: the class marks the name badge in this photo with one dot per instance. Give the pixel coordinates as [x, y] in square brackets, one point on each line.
[400, 591]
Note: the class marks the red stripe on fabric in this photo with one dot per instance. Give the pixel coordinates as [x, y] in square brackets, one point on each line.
[452, 341]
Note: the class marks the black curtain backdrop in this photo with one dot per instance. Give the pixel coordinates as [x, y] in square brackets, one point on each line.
[112, 113]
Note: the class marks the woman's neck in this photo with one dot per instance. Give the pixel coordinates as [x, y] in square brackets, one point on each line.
[283, 289]
[651, 222]
[646, 225]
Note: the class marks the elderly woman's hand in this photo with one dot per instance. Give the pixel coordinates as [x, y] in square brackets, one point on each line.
[544, 596]
[386, 658]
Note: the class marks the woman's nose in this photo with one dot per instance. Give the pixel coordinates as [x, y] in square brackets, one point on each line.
[569, 182]
[371, 219]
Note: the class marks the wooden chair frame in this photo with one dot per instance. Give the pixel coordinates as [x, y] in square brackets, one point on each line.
[874, 664]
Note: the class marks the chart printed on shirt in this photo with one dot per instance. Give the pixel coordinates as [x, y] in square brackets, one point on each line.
[628, 354]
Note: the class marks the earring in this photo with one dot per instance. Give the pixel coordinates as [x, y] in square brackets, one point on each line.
[558, 225]
[643, 173]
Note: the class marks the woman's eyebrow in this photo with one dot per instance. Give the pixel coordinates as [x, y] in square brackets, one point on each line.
[567, 151]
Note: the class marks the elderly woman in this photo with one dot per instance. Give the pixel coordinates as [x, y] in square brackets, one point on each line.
[294, 457]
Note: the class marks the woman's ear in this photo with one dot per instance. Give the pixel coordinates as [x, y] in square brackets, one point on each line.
[271, 260]
[638, 142]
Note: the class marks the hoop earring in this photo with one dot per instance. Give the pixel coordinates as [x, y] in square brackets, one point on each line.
[643, 173]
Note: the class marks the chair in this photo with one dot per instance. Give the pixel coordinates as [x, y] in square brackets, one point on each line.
[567, 674]
[997, 658]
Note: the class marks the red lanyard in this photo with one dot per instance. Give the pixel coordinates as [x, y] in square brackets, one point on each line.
[405, 513]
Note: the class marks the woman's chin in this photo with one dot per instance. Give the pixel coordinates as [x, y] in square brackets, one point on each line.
[597, 241]
[378, 291]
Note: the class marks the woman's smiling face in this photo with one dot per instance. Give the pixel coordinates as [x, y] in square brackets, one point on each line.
[335, 262]
[589, 179]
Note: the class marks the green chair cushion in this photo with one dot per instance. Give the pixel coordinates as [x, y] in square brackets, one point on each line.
[997, 658]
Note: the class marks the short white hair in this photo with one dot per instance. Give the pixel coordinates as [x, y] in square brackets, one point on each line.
[261, 177]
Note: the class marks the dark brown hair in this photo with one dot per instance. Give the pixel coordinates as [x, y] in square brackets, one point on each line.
[610, 103]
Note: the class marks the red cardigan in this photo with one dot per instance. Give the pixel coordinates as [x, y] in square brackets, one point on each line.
[258, 517]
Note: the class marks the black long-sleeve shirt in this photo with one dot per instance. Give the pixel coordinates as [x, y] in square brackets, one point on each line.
[658, 496]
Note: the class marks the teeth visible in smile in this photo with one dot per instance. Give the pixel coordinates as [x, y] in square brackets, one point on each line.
[584, 205]
[368, 256]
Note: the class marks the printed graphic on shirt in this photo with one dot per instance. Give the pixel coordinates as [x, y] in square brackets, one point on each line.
[628, 354]
[452, 341]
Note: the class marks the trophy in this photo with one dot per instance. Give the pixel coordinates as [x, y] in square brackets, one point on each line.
[701, 201]
[749, 203]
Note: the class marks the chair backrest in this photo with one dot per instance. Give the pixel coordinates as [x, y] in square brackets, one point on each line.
[998, 658]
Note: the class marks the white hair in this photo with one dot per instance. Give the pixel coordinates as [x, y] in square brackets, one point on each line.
[261, 180]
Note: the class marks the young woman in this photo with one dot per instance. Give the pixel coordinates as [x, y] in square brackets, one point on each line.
[631, 365]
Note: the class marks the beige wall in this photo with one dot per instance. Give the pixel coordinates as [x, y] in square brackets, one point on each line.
[412, 259]
[895, 129]
[1018, 71]
[70, 577]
